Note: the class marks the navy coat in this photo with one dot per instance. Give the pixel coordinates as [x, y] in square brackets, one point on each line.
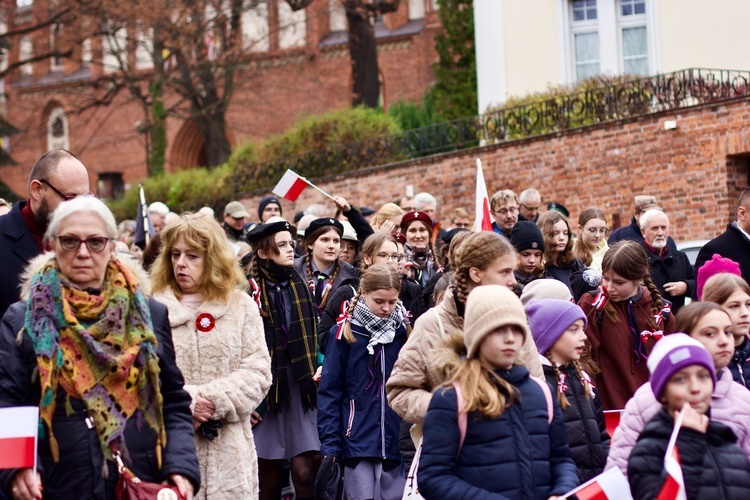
[740, 364]
[78, 474]
[17, 248]
[354, 419]
[518, 455]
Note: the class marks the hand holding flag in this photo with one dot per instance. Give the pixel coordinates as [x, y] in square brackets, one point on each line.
[291, 186]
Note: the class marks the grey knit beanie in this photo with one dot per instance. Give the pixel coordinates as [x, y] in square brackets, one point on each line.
[488, 308]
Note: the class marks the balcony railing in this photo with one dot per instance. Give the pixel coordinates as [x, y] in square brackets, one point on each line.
[637, 97]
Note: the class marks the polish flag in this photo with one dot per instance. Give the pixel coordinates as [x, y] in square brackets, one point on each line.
[612, 420]
[290, 186]
[611, 484]
[674, 485]
[18, 430]
[483, 221]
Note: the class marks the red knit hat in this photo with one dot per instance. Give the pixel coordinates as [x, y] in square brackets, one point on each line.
[716, 265]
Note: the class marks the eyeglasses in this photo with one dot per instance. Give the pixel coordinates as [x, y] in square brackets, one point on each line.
[530, 209]
[390, 257]
[65, 197]
[506, 211]
[283, 244]
[95, 244]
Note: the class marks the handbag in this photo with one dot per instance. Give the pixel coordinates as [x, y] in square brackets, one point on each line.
[130, 487]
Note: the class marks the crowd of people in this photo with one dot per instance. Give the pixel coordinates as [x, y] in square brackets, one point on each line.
[369, 353]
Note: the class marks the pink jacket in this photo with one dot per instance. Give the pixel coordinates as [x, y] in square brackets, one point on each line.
[730, 405]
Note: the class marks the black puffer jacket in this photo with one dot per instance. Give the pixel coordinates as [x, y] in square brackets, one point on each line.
[740, 364]
[584, 423]
[78, 474]
[713, 466]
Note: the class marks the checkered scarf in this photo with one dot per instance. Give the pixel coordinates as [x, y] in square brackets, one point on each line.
[381, 330]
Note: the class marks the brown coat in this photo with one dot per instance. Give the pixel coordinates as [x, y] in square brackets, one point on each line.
[413, 378]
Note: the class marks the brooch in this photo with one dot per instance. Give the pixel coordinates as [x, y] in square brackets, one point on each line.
[205, 322]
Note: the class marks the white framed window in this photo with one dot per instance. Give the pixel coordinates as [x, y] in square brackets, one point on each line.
[115, 46]
[255, 28]
[292, 26]
[336, 16]
[144, 49]
[416, 9]
[86, 53]
[25, 52]
[58, 132]
[55, 62]
[608, 37]
[584, 17]
[22, 4]
[3, 53]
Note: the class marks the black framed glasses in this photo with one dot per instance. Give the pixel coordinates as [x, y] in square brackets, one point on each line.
[65, 197]
[95, 244]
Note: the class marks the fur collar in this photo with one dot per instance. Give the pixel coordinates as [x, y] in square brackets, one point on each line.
[37, 263]
[180, 315]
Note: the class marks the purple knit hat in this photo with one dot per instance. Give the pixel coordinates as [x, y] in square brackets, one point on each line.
[716, 265]
[548, 320]
[673, 353]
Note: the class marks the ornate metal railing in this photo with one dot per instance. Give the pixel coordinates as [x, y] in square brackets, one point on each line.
[637, 97]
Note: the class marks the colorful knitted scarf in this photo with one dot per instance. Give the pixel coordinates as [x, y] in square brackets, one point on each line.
[97, 348]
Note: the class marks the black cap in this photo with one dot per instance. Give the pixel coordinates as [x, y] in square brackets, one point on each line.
[262, 230]
[322, 222]
[366, 211]
[558, 207]
[267, 200]
[526, 235]
[448, 236]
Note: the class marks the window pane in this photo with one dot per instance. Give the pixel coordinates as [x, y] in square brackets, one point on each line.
[587, 54]
[632, 7]
[640, 7]
[627, 9]
[584, 10]
[635, 51]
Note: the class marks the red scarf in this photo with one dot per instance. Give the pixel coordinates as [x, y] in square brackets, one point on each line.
[37, 230]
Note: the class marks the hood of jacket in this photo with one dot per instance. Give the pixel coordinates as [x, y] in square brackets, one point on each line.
[37, 264]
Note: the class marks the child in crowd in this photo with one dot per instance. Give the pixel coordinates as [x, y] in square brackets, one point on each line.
[558, 330]
[512, 440]
[559, 261]
[528, 241]
[683, 380]
[733, 294]
[710, 325]
[354, 421]
[625, 319]
[591, 244]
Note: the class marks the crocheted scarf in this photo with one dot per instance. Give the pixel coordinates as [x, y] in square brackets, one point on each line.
[292, 342]
[99, 348]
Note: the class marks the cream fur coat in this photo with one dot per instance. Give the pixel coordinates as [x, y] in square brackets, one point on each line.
[230, 366]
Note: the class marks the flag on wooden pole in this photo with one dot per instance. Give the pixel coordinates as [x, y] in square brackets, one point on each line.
[18, 434]
[483, 220]
[144, 230]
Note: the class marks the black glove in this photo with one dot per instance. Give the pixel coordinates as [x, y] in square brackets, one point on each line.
[210, 429]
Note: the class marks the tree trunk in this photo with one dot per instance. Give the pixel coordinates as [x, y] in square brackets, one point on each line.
[364, 55]
[213, 130]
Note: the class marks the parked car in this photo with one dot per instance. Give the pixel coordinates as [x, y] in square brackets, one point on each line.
[691, 248]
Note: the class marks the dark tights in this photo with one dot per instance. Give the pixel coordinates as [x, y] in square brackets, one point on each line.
[303, 476]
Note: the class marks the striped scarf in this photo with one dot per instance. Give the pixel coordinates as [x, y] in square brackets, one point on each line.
[97, 348]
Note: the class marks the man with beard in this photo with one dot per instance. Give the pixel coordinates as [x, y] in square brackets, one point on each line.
[55, 177]
[670, 269]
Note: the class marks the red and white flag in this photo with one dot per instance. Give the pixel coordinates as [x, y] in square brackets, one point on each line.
[610, 484]
[290, 186]
[18, 431]
[483, 221]
[612, 420]
[674, 485]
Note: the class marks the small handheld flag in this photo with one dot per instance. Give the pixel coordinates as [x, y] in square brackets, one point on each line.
[18, 436]
[291, 186]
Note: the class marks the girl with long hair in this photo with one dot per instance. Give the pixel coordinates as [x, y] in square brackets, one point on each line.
[355, 423]
[626, 317]
[733, 294]
[559, 261]
[558, 330]
[420, 251]
[491, 419]
[286, 422]
[591, 244]
[711, 325]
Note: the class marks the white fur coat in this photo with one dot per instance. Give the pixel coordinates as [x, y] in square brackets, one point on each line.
[230, 366]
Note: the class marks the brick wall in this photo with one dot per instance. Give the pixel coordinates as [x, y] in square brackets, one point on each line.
[696, 171]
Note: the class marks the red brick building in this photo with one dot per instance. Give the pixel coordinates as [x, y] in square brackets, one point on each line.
[298, 73]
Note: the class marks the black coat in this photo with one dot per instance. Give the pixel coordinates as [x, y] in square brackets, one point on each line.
[78, 474]
[674, 266]
[584, 424]
[713, 466]
[17, 248]
[740, 364]
[731, 244]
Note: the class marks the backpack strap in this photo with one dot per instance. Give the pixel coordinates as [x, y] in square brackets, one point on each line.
[547, 395]
[462, 416]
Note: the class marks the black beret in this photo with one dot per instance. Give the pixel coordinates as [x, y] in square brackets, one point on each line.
[322, 222]
[262, 230]
[526, 235]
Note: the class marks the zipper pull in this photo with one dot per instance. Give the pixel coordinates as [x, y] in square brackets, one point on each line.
[89, 422]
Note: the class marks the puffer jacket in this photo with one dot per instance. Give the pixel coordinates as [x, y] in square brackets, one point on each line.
[730, 405]
[413, 379]
[712, 465]
[79, 473]
[354, 420]
[516, 455]
[740, 364]
[584, 422]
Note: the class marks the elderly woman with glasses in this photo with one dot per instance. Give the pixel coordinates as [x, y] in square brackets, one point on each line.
[220, 347]
[89, 347]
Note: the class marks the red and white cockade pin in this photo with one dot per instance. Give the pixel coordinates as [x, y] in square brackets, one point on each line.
[205, 322]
